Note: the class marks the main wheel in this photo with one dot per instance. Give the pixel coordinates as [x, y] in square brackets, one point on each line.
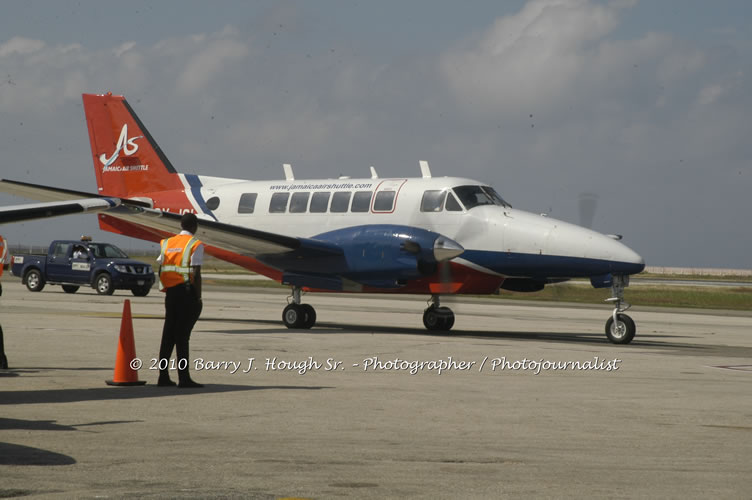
[310, 315]
[70, 288]
[141, 291]
[293, 316]
[621, 332]
[103, 284]
[448, 319]
[438, 318]
[34, 281]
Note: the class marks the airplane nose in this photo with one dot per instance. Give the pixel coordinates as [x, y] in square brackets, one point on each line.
[625, 260]
[606, 253]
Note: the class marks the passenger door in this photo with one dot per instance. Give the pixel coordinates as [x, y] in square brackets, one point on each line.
[59, 261]
[385, 198]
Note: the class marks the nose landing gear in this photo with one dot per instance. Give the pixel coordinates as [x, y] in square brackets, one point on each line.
[620, 328]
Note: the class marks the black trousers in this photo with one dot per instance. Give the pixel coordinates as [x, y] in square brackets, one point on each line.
[182, 309]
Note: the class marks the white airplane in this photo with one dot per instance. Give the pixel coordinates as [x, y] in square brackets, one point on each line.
[425, 235]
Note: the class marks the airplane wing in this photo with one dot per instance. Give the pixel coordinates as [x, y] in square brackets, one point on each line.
[47, 193]
[244, 241]
[249, 242]
[31, 211]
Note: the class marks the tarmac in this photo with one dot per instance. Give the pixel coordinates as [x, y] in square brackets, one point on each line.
[518, 400]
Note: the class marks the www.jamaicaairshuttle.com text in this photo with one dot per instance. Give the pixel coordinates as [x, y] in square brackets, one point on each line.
[412, 367]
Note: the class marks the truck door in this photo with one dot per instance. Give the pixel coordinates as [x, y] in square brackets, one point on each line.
[69, 263]
[81, 260]
[59, 261]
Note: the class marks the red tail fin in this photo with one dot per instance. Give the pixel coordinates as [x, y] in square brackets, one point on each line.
[127, 161]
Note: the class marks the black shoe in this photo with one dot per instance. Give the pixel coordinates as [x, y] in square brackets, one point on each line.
[189, 384]
[166, 383]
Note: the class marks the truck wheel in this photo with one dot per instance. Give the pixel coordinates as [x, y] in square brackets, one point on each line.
[70, 288]
[103, 284]
[34, 280]
[141, 291]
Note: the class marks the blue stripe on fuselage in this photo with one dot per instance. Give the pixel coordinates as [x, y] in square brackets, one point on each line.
[196, 192]
[547, 266]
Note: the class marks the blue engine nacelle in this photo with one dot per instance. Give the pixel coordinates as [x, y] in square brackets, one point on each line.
[386, 253]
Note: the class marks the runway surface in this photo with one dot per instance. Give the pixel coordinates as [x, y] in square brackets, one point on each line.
[671, 418]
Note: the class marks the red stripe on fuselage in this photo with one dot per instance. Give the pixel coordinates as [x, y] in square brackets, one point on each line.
[458, 279]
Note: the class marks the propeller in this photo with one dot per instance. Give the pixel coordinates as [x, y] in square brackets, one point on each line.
[445, 275]
[438, 260]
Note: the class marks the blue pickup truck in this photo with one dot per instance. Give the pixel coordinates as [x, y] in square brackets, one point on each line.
[73, 264]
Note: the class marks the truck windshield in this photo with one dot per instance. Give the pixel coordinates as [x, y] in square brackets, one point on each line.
[473, 196]
[107, 250]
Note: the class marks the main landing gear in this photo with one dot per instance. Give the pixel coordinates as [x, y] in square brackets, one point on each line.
[436, 317]
[620, 328]
[297, 315]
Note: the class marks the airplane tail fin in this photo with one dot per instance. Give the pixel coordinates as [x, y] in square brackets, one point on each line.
[127, 160]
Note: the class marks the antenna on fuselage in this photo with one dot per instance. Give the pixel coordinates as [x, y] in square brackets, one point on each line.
[374, 175]
[288, 172]
[425, 170]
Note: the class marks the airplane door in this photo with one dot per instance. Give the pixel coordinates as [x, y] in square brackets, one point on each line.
[385, 197]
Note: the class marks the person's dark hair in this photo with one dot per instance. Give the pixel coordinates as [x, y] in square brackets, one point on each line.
[189, 222]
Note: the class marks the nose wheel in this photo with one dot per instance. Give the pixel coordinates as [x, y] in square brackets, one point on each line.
[297, 315]
[437, 318]
[620, 328]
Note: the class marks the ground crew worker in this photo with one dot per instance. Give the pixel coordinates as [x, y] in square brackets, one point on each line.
[180, 262]
[3, 252]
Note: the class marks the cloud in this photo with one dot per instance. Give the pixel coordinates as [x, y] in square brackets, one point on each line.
[20, 45]
[209, 63]
[532, 58]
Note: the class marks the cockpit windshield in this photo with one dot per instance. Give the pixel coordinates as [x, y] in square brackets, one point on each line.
[473, 196]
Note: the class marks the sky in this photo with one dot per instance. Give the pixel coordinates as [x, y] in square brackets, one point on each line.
[635, 117]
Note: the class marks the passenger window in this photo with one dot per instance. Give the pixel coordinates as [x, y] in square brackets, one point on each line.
[452, 204]
[319, 202]
[299, 202]
[432, 201]
[278, 204]
[361, 201]
[212, 203]
[61, 249]
[384, 201]
[340, 202]
[247, 203]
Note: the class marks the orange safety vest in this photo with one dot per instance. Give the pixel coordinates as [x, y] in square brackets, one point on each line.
[176, 260]
[3, 252]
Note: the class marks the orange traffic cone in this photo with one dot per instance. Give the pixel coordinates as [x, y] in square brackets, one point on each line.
[126, 353]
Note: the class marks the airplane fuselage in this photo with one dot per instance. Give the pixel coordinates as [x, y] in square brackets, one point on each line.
[498, 241]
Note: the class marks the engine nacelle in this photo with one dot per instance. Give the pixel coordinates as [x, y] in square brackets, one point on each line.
[387, 252]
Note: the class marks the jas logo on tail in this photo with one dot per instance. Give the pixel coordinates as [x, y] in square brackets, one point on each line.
[128, 146]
